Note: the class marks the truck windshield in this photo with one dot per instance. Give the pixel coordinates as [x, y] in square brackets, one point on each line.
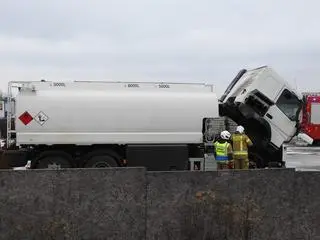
[290, 105]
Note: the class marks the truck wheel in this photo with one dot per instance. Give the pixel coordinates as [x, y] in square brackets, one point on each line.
[101, 161]
[53, 160]
[256, 160]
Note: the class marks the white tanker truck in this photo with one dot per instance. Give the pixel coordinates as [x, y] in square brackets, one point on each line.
[156, 125]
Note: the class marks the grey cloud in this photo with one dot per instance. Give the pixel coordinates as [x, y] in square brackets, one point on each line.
[179, 40]
[143, 18]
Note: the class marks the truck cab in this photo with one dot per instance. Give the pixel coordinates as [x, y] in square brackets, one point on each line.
[268, 107]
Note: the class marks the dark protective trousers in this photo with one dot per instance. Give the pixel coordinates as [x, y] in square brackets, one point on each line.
[241, 162]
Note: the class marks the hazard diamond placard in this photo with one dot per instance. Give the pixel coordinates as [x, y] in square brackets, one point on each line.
[41, 118]
[26, 118]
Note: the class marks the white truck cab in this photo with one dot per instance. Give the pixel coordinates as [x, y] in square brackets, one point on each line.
[266, 105]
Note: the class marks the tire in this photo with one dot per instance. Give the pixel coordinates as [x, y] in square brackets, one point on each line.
[101, 161]
[256, 160]
[274, 165]
[54, 160]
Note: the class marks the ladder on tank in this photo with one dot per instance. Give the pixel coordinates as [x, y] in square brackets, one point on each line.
[11, 114]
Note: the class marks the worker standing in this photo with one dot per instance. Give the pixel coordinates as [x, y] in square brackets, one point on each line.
[240, 143]
[223, 150]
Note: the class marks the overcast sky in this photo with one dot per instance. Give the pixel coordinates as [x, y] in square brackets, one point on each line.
[159, 40]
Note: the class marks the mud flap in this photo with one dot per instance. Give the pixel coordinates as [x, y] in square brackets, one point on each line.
[13, 158]
[3, 163]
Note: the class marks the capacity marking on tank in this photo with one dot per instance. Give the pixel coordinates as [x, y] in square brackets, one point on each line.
[41, 118]
[59, 84]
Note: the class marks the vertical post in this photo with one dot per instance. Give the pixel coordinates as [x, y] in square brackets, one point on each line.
[284, 153]
[9, 113]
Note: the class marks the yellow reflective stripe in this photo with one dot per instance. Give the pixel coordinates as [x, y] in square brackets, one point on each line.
[240, 152]
[221, 149]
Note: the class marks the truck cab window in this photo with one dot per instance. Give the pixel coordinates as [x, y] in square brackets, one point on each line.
[315, 113]
[289, 104]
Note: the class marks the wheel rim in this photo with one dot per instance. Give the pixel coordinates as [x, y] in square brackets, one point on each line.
[54, 166]
[53, 163]
[101, 162]
[101, 165]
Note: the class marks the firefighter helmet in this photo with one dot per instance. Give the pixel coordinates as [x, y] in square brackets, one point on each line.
[225, 135]
[240, 129]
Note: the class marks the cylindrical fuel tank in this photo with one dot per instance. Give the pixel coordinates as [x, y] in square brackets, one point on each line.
[85, 113]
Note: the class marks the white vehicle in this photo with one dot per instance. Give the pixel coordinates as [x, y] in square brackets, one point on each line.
[157, 125]
[302, 158]
[268, 107]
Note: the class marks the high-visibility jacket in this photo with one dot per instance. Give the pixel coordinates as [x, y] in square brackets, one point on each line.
[222, 149]
[240, 143]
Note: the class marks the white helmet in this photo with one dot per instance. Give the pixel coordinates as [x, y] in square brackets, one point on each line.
[240, 129]
[225, 135]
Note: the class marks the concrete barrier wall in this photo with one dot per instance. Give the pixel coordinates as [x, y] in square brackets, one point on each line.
[265, 196]
[134, 204]
[306, 206]
[73, 204]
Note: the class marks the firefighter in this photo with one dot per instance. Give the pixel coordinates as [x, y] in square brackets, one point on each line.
[240, 143]
[223, 150]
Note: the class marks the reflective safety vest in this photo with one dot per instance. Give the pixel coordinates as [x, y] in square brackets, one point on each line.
[221, 150]
[240, 143]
